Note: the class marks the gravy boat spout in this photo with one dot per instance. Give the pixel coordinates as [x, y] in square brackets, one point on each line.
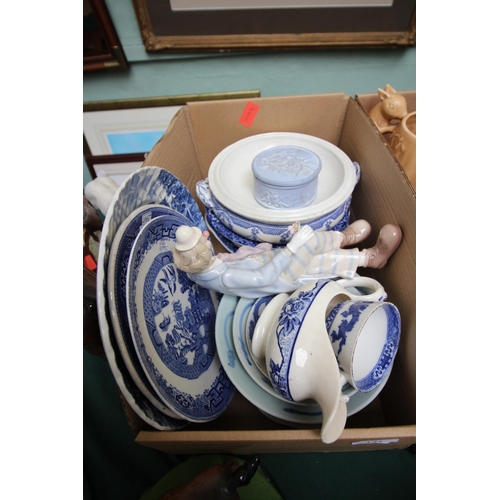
[300, 359]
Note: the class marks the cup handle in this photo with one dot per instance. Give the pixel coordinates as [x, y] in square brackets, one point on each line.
[377, 294]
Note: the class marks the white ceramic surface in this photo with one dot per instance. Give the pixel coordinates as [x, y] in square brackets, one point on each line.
[145, 186]
[231, 179]
[172, 321]
[299, 359]
[364, 288]
[264, 328]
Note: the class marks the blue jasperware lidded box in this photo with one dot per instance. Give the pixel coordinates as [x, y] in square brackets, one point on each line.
[286, 177]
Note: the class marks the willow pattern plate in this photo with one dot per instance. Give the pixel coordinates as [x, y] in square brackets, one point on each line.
[145, 186]
[172, 321]
[117, 294]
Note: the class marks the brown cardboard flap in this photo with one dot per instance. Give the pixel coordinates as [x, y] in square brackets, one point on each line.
[279, 441]
[216, 125]
[383, 195]
[176, 152]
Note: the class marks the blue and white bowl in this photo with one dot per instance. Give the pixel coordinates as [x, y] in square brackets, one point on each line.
[232, 179]
[365, 338]
[274, 233]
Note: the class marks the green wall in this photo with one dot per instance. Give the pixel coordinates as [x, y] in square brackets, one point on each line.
[354, 71]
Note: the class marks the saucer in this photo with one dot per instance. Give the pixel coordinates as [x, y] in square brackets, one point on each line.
[172, 321]
[145, 186]
[231, 178]
[117, 278]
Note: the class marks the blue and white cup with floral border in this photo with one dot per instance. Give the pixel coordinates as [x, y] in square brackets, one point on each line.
[365, 338]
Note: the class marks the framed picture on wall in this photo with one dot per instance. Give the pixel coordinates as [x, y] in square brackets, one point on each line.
[118, 167]
[215, 25]
[130, 126]
[101, 46]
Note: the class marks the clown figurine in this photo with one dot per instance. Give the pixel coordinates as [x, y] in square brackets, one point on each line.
[254, 272]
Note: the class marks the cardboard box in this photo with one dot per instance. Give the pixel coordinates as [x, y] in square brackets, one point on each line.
[367, 103]
[196, 135]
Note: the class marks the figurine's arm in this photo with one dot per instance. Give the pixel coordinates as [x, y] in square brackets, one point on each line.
[270, 272]
[234, 278]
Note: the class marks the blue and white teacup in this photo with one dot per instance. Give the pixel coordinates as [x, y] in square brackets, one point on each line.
[365, 337]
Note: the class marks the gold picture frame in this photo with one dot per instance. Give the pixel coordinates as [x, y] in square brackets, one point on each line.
[166, 30]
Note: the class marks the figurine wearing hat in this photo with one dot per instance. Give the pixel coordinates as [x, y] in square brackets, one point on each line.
[254, 272]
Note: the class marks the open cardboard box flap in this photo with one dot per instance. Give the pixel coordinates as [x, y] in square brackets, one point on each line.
[198, 132]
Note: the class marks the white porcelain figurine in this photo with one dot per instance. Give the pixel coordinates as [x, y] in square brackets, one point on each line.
[254, 272]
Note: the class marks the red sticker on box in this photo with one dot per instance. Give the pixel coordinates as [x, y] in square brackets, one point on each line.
[249, 114]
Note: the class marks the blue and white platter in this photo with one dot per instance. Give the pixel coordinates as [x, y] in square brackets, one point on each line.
[285, 412]
[227, 244]
[226, 233]
[145, 186]
[117, 294]
[172, 321]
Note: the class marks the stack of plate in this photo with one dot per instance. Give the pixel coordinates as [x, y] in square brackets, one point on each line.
[235, 216]
[157, 326]
[236, 320]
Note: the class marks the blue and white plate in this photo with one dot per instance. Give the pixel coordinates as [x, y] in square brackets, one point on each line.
[172, 321]
[285, 412]
[226, 233]
[228, 245]
[145, 186]
[117, 294]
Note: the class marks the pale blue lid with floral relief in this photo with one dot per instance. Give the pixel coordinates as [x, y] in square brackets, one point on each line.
[286, 166]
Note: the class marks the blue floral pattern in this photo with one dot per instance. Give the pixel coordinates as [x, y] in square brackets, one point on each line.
[289, 324]
[258, 232]
[341, 321]
[176, 319]
[145, 186]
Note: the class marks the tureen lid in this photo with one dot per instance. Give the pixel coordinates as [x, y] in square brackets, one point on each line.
[286, 165]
